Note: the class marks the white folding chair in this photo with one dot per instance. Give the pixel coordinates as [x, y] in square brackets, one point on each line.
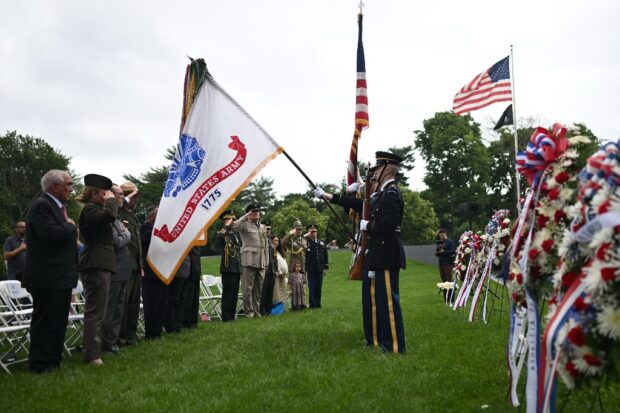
[211, 296]
[13, 336]
[75, 326]
[17, 300]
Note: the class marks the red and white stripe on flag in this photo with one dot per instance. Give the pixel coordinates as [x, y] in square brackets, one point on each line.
[491, 86]
[220, 150]
[361, 105]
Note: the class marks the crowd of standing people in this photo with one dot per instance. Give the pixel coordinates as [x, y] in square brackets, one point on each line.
[108, 249]
[265, 267]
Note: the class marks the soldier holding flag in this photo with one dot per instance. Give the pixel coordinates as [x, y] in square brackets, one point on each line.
[383, 321]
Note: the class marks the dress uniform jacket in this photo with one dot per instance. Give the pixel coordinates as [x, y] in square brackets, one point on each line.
[254, 250]
[96, 231]
[230, 243]
[295, 248]
[135, 246]
[385, 246]
[316, 256]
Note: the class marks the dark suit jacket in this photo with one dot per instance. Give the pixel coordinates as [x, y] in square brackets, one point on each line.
[51, 262]
[96, 231]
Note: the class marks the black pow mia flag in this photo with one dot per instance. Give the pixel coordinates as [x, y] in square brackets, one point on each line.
[505, 119]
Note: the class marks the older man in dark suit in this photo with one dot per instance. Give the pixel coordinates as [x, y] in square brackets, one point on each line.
[50, 271]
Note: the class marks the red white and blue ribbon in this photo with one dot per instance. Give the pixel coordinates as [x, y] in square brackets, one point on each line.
[544, 148]
[548, 366]
[516, 349]
[481, 281]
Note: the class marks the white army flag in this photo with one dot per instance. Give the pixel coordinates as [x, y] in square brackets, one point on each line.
[220, 150]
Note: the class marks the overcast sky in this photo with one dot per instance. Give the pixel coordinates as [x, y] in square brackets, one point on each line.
[102, 81]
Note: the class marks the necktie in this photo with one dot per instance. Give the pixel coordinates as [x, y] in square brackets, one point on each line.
[64, 211]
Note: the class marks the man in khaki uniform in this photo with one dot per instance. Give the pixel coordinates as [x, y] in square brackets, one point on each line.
[254, 258]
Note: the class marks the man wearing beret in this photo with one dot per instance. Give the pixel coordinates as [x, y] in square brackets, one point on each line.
[50, 270]
[317, 265]
[230, 265]
[385, 256]
[98, 261]
[254, 258]
[131, 311]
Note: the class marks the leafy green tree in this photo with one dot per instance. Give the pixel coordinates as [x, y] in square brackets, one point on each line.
[420, 223]
[151, 185]
[23, 162]
[408, 155]
[457, 165]
[502, 183]
[259, 191]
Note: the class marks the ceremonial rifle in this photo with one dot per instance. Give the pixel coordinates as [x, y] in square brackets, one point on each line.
[361, 243]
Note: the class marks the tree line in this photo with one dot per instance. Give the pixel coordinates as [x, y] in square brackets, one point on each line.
[461, 168]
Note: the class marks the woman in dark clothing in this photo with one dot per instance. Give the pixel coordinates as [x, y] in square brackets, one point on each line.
[97, 262]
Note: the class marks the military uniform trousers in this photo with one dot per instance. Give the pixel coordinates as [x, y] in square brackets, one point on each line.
[173, 319]
[382, 315]
[96, 286]
[154, 300]
[191, 298]
[252, 287]
[114, 315]
[131, 310]
[315, 286]
[230, 295]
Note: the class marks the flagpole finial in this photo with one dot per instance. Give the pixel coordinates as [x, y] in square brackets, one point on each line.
[361, 6]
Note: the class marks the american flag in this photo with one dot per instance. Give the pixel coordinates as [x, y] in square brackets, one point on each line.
[490, 86]
[361, 105]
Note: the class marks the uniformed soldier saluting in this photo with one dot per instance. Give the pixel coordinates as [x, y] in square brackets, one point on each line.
[383, 321]
[230, 265]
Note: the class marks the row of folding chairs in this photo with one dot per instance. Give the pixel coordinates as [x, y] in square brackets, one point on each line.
[15, 318]
[14, 325]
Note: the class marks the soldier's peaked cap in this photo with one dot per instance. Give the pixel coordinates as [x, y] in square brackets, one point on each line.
[387, 158]
[98, 181]
[229, 213]
[252, 207]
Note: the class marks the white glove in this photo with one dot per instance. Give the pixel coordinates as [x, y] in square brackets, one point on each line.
[371, 274]
[319, 192]
[354, 187]
[363, 224]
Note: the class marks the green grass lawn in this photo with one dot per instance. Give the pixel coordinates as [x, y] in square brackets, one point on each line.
[312, 361]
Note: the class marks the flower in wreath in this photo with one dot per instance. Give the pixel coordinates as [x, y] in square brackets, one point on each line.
[587, 281]
[496, 239]
[463, 254]
[551, 165]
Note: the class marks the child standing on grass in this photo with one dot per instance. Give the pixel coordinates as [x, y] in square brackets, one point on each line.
[298, 292]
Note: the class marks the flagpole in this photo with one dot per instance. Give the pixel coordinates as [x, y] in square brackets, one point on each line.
[514, 119]
[312, 184]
